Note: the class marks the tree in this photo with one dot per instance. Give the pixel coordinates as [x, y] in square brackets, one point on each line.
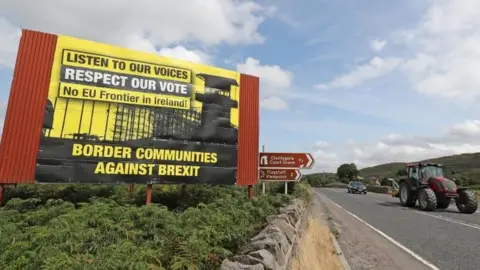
[347, 171]
[401, 172]
[319, 179]
[385, 181]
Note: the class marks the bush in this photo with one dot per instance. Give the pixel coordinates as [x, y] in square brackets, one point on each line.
[337, 185]
[475, 187]
[319, 179]
[303, 190]
[105, 227]
[378, 189]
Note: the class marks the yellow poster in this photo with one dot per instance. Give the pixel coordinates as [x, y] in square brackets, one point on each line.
[100, 92]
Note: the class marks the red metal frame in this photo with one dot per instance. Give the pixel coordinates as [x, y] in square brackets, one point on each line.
[26, 105]
[248, 134]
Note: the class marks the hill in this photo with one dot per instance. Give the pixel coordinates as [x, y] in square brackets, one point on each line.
[466, 166]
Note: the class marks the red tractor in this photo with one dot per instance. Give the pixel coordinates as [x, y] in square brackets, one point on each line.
[427, 184]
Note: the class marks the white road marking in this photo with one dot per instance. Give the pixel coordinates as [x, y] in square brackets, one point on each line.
[450, 220]
[416, 256]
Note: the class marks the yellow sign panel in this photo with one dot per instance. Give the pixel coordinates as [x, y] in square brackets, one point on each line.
[96, 88]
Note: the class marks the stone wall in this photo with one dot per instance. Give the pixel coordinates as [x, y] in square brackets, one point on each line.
[275, 246]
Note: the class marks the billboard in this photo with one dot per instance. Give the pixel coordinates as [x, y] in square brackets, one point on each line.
[115, 115]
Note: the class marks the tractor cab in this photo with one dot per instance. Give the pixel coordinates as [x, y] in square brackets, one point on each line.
[421, 173]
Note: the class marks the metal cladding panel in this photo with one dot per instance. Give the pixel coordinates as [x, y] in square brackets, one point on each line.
[248, 137]
[26, 105]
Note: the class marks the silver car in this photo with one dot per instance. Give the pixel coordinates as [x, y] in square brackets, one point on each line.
[356, 187]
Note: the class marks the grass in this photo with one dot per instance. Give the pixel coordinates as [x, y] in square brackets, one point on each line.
[317, 251]
[335, 232]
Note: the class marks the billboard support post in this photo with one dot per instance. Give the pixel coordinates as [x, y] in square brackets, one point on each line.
[250, 192]
[2, 192]
[263, 182]
[149, 194]
[130, 188]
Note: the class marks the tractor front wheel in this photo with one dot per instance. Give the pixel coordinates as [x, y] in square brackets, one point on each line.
[407, 196]
[427, 199]
[466, 201]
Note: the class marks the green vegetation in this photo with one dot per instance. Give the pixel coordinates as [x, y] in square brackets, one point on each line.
[347, 172]
[105, 227]
[320, 179]
[466, 166]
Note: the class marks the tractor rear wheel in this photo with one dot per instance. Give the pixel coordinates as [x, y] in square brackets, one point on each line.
[407, 196]
[443, 203]
[466, 201]
[427, 200]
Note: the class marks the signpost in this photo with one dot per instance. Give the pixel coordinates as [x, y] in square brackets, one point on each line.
[280, 175]
[286, 160]
[284, 167]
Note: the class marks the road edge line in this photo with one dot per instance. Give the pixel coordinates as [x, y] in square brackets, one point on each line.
[393, 241]
[340, 253]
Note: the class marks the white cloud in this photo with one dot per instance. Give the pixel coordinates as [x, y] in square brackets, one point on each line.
[137, 42]
[145, 25]
[272, 77]
[377, 45]
[447, 46]
[9, 44]
[325, 161]
[274, 81]
[459, 138]
[321, 144]
[377, 67]
[180, 52]
[444, 54]
[273, 103]
[164, 22]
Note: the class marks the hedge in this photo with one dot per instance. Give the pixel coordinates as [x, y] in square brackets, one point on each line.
[336, 185]
[105, 227]
[378, 189]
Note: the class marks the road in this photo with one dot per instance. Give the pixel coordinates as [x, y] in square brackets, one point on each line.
[402, 237]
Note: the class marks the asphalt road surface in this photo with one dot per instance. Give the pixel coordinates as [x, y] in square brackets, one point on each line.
[396, 237]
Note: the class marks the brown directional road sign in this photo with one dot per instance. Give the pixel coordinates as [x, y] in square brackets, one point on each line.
[280, 175]
[286, 160]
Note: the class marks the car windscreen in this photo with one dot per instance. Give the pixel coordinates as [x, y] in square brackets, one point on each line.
[357, 184]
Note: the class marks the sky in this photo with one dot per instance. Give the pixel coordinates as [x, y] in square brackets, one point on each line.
[363, 81]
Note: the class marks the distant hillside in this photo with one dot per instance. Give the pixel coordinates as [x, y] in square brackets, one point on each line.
[467, 165]
[325, 174]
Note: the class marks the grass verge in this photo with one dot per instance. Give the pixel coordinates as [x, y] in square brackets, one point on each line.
[317, 251]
